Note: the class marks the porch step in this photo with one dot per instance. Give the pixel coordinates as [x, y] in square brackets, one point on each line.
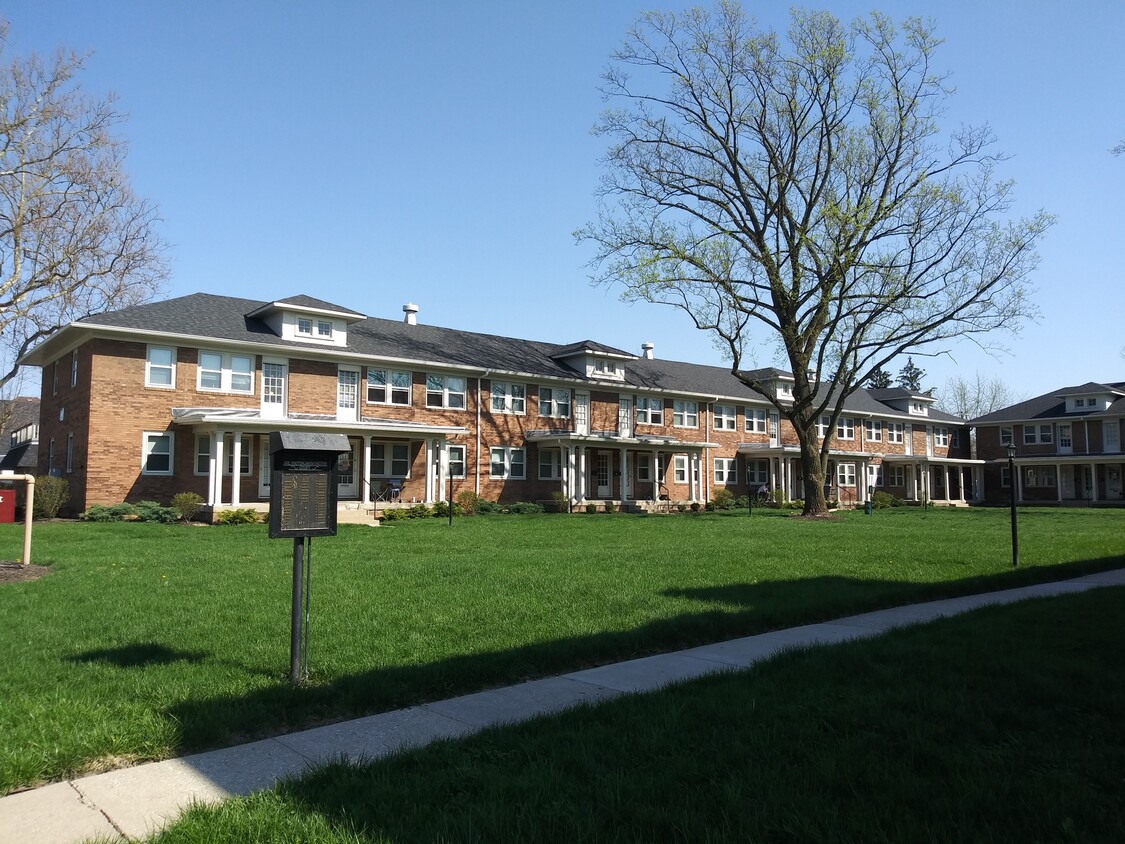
[351, 515]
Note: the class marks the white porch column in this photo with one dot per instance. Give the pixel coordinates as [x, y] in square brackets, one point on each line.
[624, 475]
[582, 484]
[1093, 482]
[657, 468]
[429, 493]
[571, 473]
[217, 468]
[945, 478]
[236, 470]
[442, 471]
[691, 458]
[367, 470]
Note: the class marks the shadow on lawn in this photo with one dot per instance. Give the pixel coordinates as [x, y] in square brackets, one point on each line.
[139, 655]
[757, 608]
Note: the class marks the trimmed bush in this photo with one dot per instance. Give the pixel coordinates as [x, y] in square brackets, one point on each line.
[591, 508]
[100, 513]
[722, 499]
[610, 507]
[560, 502]
[418, 511]
[187, 504]
[882, 499]
[695, 506]
[154, 511]
[51, 494]
[395, 514]
[468, 501]
[441, 509]
[485, 507]
[241, 516]
[524, 508]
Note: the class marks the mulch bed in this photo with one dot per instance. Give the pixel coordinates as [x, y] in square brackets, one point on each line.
[14, 573]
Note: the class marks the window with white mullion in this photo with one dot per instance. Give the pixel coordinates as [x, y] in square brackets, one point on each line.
[873, 430]
[726, 417]
[507, 463]
[650, 411]
[845, 428]
[685, 414]
[225, 372]
[554, 402]
[756, 421]
[725, 470]
[160, 367]
[445, 391]
[508, 398]
[388, 386]
[550, 464]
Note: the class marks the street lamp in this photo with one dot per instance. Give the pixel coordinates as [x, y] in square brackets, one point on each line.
[1012, 484]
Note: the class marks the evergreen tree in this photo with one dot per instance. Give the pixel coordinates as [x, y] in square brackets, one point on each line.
[880, 379]
[910, 376]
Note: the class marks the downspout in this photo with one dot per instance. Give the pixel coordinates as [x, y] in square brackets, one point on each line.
[485, 374]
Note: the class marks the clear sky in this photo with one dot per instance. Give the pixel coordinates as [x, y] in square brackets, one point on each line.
[377, 153]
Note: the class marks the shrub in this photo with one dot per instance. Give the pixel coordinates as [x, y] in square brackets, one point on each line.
[468, 501]
[695, 506]
[441, 509]
[241, 516]
[418, 511]
[591, 508]
[51, 494]
[882, 499]
[123, 510]
[778, 498]
[610, 507]
[154, 511]
[796, 504]
[100, 513]
[709, 506]
[742, 502]
[484, 507]
[187, 504]
[560, 502]
[681, 507]
[395, 514]
[524, 508]
[722, 499]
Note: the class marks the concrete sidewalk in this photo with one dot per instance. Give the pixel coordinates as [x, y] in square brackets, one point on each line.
[134, 802]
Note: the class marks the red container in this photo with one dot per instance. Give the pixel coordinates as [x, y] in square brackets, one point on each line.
[7, 505]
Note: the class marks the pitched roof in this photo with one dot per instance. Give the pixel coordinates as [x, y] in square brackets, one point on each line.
[1053, 405]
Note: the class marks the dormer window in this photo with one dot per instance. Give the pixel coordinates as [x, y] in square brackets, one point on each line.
[304, 326]
[918, 408]
[599, 367]
[606, 367]
[324, 329]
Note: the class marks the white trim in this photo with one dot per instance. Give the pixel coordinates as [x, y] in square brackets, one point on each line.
[146, 451]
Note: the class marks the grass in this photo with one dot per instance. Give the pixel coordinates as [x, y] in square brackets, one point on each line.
[147, 641]
[926, 734]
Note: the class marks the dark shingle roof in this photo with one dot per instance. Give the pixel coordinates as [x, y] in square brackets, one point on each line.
[24, 456]
[1051, 405]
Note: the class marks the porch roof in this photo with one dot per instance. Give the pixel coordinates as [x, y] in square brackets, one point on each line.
[610, 439]
[242, 419]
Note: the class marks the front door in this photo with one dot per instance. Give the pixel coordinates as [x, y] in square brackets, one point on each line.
[347, 395]
[347, 478]
[1066, 481]
[601, 474]
[582, 413]
[1111, 436]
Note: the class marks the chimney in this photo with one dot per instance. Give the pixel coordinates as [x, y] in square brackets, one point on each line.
[411, 311]
[646, 350]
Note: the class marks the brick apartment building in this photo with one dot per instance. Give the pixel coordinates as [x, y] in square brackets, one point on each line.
[181, 395]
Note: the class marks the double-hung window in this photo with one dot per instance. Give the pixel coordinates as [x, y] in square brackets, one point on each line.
[160, 367]
[757, 472]
[1006, 435]
[845, 428]
[680, 469]
[304, 326]
[896, 476]
[650, 411]
[756, 421]
[845, 474]
[873, 430]
[507, 463]
[685, 414]
[324, 329]
[445, 391]
[74, 368]
[392, 460]
[156, 452]
[508, 398]
[941, 437]
[896, 432]
[550, 464]
[226, 373]
[726, 418]
[725, 471]
[1033, 434]
[388, 386]
[644, 467]
[456, 458]
[554, 402]
[823, 425]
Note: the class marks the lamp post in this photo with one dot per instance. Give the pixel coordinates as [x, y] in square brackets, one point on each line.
[1012, 483]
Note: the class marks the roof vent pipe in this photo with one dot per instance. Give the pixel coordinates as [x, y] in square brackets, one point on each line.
[646, 350]
[411, 311]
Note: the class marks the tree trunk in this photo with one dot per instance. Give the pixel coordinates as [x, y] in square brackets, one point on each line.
[814, 468]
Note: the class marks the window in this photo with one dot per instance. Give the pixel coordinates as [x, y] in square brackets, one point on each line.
[644, 467]
[550, 464]
[554, 402]
[156, 453]
[896, 476]
[1005, 477]
[391, 460]
[51, 457]
[243, 456]
[323, 328]
[757, 472]
[55, 379]
[202, 454]
[650, 411]
[679, 469]
[918, 407]
[388, 386]
[69, 453]
[895, 432]
[726, 419]
[1040, 476]
[304, 326]
[1006, 436]
[823, 425]
[756, 421]
[445, 391]
[954, 439]
[845, 428]
[1080, 402]
[941, 436]
[506, 463]
[1040, 434]
[873, 430]
[685, 414]
[229, 373]
[606, 367]
[785, 389]
[160, 367]
[508, 398]
[725, 472]
[876, 474]
[457, 461]
[74, 368]
[273, 384]
[1064, 437]
[845, 474]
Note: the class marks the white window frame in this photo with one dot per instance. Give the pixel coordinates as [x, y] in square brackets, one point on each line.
[170, 367]
[305, 326]
[756, 421]
[554, 402]
[845, 428]
[439, 385]
[393, 393]
[873, 430]
[823, 425]
[644, 467]
[226, 372]
[452, 461]
[845, 474]
[1037, 434]
[726, 471]
[725, 417]
[74, 369]
[149, 437]
[1005, 477]
[1007, 435]
[507, 397]
[941, 437]
[650, 411]
[245, 464]
[679, 468]
[324, 329]
[508, 463]
[896, 432]
[896, 476]
[757, 473]
[69, 453]
[685, 414]
[554, 464]
[388, 460]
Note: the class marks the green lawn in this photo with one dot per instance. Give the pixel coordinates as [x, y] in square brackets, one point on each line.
[1003, 725]
[147, 641]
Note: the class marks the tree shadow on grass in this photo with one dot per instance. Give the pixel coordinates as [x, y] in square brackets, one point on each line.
[139, 655]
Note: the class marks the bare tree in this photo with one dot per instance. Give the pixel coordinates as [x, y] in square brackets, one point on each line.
[74, 238]
[805, 192]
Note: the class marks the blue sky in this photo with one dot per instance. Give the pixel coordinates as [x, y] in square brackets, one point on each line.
[375, 153]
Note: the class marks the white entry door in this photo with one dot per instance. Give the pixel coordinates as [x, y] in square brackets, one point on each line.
[582, 413]
[347, 479]
[601, 474]
[625, 417]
